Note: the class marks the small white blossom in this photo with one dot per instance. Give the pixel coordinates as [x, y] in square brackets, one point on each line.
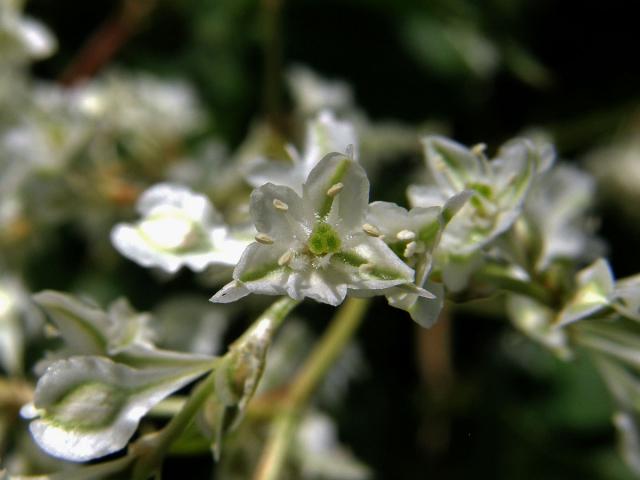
[319, 248]
[499, 190]
[325, 134]
[178, 228]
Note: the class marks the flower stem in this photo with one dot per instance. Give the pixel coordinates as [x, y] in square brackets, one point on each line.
[327, 351]
[155, 446]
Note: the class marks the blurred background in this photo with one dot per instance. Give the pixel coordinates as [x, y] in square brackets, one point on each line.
[470, 397]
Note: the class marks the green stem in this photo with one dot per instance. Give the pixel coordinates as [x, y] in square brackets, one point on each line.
[327, 351]
[155, 446]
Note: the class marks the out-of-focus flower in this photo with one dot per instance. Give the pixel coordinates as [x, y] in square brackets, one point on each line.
[178, 228]
[325, 134]
[499, 190]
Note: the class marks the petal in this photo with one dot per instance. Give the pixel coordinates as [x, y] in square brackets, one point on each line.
[324, 286]
[90, 406]
[231, 292]
[451, 164]
[259, 272]
[84, 327]
[348, 207]
[194, 205]
[326, 135]
[383, 268]
[427, 196]
[594, 292]
[277, 211]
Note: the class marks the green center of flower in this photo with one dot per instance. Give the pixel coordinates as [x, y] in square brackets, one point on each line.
[324, 239]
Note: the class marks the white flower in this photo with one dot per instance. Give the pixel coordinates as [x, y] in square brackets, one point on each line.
[499, 190]
[178, 228]
[499, 187]
[317, 245]
[325, 134]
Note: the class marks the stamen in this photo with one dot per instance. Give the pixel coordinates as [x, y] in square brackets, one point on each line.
[405, 235]
[370, 230]
[335, 189]
[479, 149]
[410, 249]
[264, 238]
[285, 258]
[280, 205]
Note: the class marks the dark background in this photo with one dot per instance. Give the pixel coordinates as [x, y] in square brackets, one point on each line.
[509, 410]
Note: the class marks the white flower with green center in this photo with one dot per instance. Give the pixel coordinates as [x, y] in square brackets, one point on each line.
[325, 134]
[178, 228]
[499, 188]
[317, 245]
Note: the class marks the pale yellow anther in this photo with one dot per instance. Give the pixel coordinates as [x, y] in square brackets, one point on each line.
[405, 235]
[479, 149]
[264, 238]
[410, 249]
[335, 189]
[370, 230]
[285, 258]
[280, 205]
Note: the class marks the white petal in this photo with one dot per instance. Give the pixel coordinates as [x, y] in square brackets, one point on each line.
[348, 207]
[326, 135]
[231, 292]
[193, 205]
[595, 290]
[274, 221]
[90, 406]
[451, 164]
[83, 326]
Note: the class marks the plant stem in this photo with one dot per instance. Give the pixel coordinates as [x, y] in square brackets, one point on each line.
[155, 446]
[326, 352]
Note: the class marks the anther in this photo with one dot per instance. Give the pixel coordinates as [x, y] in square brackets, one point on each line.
[335, 189]
[410, 249]
[405, 235]
[370, 230]
[479, 149]
[264, 238]
[285, 258]
[280, 205]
